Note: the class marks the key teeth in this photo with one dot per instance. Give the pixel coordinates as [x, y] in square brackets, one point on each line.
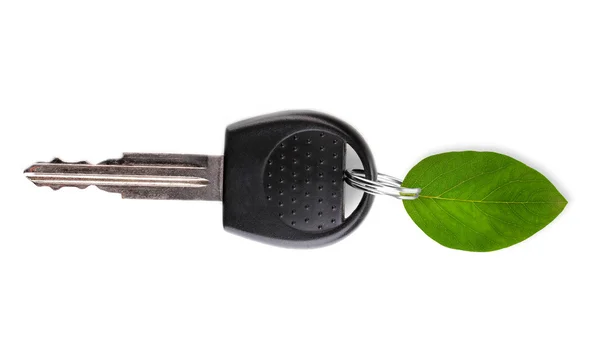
[60, 161]
[32, 173]
[58, 187]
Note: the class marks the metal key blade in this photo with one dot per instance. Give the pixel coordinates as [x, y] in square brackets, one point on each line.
[138, 175]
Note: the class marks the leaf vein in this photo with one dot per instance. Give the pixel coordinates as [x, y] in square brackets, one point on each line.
[446, 229]
[434, 163]
[499, 219]
[449, 171]
[511, 182]
[519, 216]
[466, 226]
[473, 177]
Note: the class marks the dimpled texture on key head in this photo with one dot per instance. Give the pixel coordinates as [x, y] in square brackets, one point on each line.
[303, 180]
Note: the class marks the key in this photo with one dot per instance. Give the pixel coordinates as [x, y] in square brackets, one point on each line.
[281, 178]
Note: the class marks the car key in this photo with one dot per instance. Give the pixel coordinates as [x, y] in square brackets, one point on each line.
[281, 178]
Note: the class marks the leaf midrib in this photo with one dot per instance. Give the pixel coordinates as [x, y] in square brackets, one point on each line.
[487, 202]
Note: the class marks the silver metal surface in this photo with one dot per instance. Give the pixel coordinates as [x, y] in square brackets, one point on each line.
[139, 175]
[383, 185]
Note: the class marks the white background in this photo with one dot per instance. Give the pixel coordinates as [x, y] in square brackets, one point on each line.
[89, 80]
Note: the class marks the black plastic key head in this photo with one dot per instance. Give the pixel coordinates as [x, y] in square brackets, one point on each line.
[284, 178]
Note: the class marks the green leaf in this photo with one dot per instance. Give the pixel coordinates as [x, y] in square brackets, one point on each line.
[480, 201]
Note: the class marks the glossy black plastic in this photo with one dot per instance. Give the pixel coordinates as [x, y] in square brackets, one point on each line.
[283, 178]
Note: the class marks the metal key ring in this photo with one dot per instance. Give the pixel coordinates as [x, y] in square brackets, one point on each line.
[384, 185]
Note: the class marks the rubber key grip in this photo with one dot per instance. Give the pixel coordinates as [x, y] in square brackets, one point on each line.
[283, 178]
